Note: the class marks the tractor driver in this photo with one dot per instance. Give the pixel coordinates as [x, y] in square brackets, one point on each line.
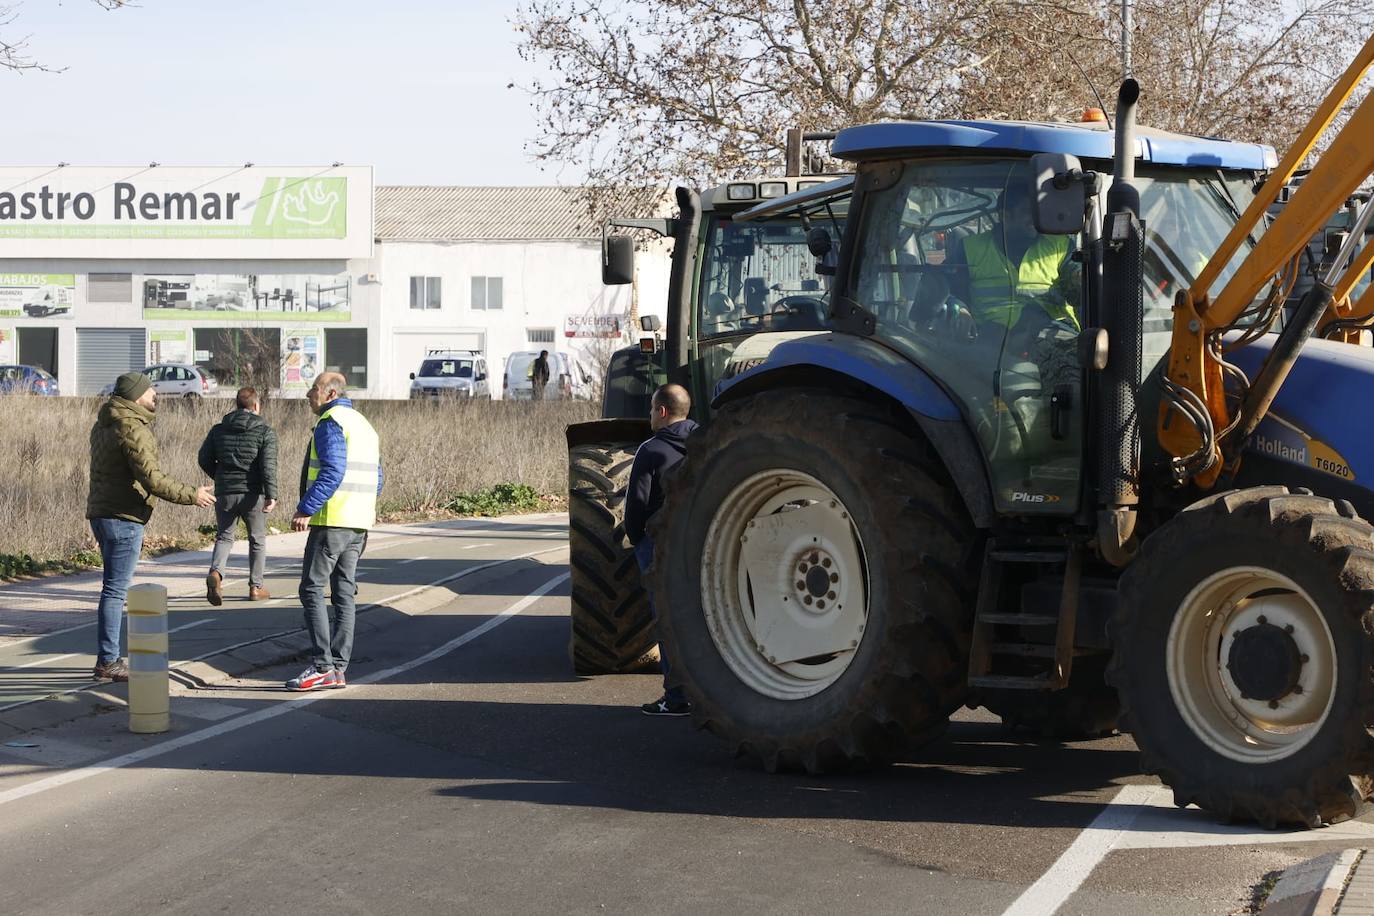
[1012, 276]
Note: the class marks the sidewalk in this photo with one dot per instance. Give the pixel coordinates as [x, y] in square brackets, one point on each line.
[37, 607]
[47, 625]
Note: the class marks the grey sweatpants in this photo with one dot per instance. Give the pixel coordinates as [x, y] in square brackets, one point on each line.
[331, 556]
[228, 510]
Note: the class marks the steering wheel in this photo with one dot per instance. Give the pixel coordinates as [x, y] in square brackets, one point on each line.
[807, 307]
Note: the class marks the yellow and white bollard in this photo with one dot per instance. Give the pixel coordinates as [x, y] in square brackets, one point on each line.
[149, 702]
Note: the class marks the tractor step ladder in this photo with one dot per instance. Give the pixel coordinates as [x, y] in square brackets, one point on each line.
[1000, 635]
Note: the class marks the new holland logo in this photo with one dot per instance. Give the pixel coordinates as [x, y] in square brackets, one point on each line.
[1017, 496]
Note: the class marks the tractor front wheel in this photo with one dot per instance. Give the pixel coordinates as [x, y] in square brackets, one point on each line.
[1246, 625]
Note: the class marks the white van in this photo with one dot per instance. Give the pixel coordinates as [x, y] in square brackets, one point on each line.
[566, 379]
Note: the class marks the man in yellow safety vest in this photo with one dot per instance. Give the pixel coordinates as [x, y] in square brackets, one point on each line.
[1016, 276]
[340, 481]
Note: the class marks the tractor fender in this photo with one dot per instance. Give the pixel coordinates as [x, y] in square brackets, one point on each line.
[838, 361]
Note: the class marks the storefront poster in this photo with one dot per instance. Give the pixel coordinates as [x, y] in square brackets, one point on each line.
[37, 295]
[301, 358]
[606, 326]
[6, 344]
[169, 347]
[322, 297]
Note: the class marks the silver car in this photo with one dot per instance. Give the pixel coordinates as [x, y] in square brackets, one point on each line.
[451, 373]
[176, 380]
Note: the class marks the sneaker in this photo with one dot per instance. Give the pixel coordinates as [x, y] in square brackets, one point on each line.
[311, 679]
[214, 588]
[258, 593]
[117, 670]
[666, 707]
[338, 679]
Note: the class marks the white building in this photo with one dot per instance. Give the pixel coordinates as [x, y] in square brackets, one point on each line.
[103, 270]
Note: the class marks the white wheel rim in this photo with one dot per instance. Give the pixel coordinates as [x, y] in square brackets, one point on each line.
[1204, 689]
[784, 584]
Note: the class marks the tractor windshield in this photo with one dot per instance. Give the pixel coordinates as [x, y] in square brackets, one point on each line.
[758, 276]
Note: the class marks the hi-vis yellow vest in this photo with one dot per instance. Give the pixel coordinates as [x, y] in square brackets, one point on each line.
[1001, 289]
[354, 503]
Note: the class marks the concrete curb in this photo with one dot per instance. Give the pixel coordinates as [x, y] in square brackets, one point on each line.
[1314, 887]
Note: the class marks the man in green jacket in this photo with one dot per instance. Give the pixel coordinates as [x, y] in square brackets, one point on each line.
[240, 453]
[125, 477]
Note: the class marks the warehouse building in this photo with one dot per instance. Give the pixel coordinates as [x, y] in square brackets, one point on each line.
[269, 275]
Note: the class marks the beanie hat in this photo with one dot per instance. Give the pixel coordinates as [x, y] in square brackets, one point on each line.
[131, 385]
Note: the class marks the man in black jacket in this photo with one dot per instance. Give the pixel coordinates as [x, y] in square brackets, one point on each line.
[241, 454]
[668, 419]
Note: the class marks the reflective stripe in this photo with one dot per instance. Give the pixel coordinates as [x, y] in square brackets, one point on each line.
[147, 662]
[357, 488]
[147, 624]
[314, 465]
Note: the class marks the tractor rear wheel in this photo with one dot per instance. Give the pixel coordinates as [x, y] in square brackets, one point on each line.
[1244, 657]
[817, 585]
[612, 629]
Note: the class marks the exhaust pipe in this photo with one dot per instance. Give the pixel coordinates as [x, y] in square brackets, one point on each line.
[1123, 315]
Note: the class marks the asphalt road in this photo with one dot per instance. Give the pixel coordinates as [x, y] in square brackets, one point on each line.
[476, 774]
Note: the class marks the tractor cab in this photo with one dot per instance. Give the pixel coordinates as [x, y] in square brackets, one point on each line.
[952, 263]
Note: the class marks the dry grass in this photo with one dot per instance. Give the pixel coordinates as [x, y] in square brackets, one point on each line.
[431, 452]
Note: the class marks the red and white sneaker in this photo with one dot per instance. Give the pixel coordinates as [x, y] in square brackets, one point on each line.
[338, 680]
[310, 679]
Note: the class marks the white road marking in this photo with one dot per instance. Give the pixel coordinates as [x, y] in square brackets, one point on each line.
[1070, 870]
[474, 546]
[57, 658]
[412, 560]
[287, 705]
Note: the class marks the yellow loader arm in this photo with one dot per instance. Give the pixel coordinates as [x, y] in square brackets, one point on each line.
[1194, 376]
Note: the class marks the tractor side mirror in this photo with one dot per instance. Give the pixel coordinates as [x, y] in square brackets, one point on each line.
[412, 376]
[1059, 199]
[617, 260]
[650, 324]
[818, 242]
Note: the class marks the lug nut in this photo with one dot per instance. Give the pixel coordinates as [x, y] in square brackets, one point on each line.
[830, 595]
[826, 562]
[1288, 629]
[820, 605]
[1305, 659]
[1263, 619]
[801, 585]
[1273, 704]
[807, 599]
[834, 577]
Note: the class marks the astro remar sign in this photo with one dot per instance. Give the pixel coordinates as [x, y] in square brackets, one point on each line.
[176, 205]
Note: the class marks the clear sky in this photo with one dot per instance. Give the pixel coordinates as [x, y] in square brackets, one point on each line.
[416, 88]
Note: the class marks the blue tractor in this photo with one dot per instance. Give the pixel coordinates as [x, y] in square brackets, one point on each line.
[941, 493]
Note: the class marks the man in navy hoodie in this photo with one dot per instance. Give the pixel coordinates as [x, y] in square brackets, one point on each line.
[668, 419]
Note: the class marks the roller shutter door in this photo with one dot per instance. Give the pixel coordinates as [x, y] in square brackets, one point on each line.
[110, 288]
[104, 354]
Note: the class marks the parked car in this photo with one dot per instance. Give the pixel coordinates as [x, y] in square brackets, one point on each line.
[176, 380]
[451, 373]
[26, 380]
[566, 377]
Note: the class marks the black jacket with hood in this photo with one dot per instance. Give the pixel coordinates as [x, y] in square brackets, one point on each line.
[655, 457]
[241, 454]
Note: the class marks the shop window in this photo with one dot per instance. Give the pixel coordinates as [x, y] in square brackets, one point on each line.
[241, 356]
[345, 350]
[426, 293]
[486, 293]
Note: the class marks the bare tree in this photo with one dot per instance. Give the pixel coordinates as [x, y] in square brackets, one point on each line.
[14, 54]
[704, 89]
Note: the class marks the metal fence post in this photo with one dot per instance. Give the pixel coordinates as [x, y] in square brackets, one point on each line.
[149, 702]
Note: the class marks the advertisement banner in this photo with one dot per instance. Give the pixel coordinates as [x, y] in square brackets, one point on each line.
[323, 297]
[169, 347]
[6, 344]
[37, 295]
[302, 358]
[593, 325]
[228, 212]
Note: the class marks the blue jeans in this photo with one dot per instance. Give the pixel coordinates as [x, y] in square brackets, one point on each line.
[120, 542]
[331, 558]
[644, 556]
